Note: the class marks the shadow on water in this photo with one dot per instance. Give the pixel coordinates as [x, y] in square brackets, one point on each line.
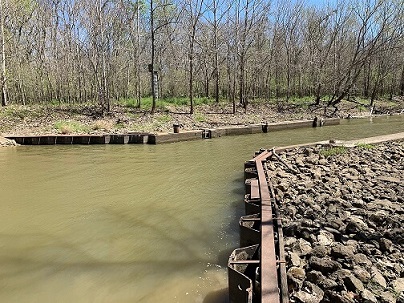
[236, 211]
[218, 296]
[239, 191]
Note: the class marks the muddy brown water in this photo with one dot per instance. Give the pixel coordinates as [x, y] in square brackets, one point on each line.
[132, 223]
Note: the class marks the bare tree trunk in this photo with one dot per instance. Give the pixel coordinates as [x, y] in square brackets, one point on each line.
[138, 82]
[215, 45]
[4, 100]
[153, 46]
[366, 79]
[402, 82]
[191, 75]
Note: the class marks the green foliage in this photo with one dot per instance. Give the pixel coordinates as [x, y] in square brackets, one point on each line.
[119, 125]
[54, 102]
[68, 127]
[200, 117]
[303, 102]
[18, 112]
[332, 151]
[176, 101]
[163, 118]
[146, 102]
[361, 108]
[365, 146]
[128, 102]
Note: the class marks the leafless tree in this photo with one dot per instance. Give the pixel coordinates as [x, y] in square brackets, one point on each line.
[3, 56]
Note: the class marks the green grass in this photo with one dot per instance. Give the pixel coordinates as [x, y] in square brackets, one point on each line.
[163, 118]
[200, 117]
[68, 127]
[365, 146]
[129, 102]
[332, 151]
[162, 103]
[303, 101]
[119, 125]
[13, 112]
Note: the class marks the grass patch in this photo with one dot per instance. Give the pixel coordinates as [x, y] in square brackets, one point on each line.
[332, 151]
[101, 125]
[365, 146]
[163, 118]
[68, 127]
[162, 103]
[302, 101]
[129, 102]
[362, 108]
[17, 112]
[120, 125]
[200, 117]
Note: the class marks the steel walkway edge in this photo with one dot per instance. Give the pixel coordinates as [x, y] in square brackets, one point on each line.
[257, 272]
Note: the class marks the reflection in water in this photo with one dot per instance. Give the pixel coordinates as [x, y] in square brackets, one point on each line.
[131, 223]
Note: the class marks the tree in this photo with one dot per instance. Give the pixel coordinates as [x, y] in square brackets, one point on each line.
[3, 56]
[250, 16]
[194, 10]
[374, 29]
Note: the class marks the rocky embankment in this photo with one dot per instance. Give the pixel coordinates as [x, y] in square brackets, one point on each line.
[343, 226]
[6, 142]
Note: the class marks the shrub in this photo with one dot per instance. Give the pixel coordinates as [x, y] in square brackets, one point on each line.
[68, 127]
[332, 151]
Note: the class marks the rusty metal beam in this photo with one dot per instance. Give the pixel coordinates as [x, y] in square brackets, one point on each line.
[269, 272]
[271, 267]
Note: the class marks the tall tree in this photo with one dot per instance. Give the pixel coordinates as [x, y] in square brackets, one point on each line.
[194, 10]
[3, 57]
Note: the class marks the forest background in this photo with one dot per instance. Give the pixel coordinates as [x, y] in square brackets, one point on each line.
[144, 53]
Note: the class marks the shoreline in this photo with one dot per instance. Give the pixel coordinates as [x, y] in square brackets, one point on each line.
[172, 137]
[84, 119]
[217, 119]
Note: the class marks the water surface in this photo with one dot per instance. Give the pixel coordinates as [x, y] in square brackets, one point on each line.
[134, 223]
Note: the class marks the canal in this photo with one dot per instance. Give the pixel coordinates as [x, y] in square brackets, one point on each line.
[132, 223]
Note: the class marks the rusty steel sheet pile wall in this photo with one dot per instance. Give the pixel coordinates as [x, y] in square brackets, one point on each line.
[261, 227]
[242, 271]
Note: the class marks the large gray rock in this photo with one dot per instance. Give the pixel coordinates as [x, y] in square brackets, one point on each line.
[368, 297]
[325, 238]
[294, 259]
[362, 274]
[321, 251]
[355, 225]
[315, 277]
[342, 251]
[310, 294]
[335, 297]
[353, 284]
[361, 259]
[377, 277]
[302, 247]
[324, 265]
[297, 272]
[319, 279]
[387, 297]
[386, 245]
[398, 285]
